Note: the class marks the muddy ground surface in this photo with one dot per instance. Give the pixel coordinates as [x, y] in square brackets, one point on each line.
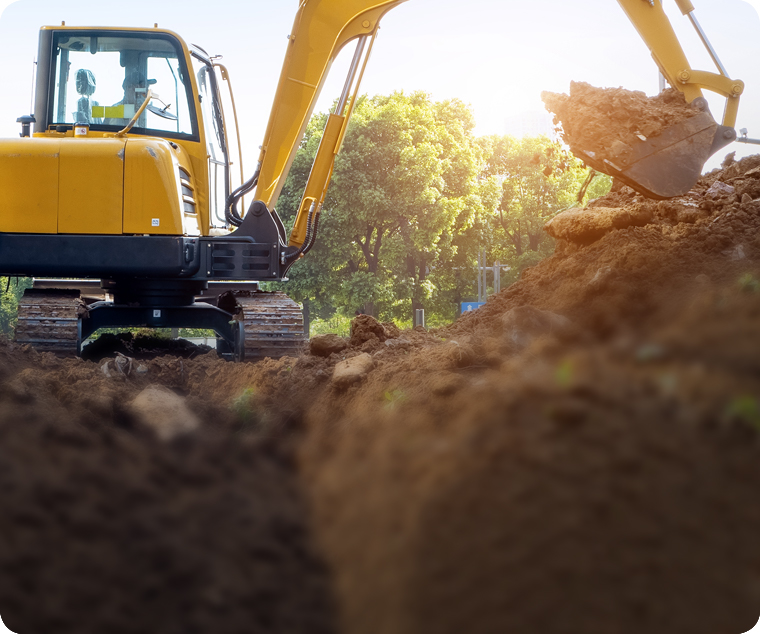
[581, 454]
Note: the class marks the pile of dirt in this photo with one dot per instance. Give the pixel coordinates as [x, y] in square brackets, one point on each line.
[582, 453]
[599, 120]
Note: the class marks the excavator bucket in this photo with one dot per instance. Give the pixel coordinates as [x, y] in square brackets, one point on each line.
[666, 165]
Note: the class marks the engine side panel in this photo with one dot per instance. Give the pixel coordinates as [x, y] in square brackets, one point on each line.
[29, 185]
[91, 186]
[152, 189]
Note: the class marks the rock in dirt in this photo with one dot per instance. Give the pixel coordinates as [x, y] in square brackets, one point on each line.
[719, 190]
[325, 345]
[165, 412]
[524, 323]
[352, 370]
[587, 225]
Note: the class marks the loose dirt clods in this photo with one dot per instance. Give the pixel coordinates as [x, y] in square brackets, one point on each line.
[608, 121]
[581, 454]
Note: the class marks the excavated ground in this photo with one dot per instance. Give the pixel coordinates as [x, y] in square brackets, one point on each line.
[581, 454]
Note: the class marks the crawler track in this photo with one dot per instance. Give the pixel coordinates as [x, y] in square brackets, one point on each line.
[47, 320]
[273, 325]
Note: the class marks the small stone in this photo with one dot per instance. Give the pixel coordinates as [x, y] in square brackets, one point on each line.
[325, 345]
[719, 189]
[398, 343]
[736, 253]
[163, 411]
[587, 225]
[524, 323]
[352, 370]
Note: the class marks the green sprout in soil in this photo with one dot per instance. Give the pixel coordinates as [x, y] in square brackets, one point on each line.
[563, 375]
[248, 411]
[394, 397]
[749, 283]
[745, 409]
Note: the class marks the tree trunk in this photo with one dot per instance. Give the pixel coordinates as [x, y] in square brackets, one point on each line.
[306, 318]
[420, 275]
[517, 241]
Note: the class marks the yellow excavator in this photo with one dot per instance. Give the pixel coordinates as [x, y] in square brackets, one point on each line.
[122, 191]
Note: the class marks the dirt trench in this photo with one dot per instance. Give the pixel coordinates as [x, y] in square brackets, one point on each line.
[582, 453]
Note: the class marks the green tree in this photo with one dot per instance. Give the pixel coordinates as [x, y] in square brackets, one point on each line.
[538, 178]
[414, 197]
[11, 290]
[404, 186]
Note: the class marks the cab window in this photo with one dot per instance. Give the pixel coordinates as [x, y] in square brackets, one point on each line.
[104, 79]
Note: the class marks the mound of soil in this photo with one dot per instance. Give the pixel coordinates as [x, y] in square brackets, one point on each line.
[582, 453]
[599, 120]
[520, 472]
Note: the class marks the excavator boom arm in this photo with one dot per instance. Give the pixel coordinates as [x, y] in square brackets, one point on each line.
[323, 27]
[320, 31]
[655, 29]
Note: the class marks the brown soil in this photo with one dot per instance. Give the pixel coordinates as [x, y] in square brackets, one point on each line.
[598, 119]
[581, 454]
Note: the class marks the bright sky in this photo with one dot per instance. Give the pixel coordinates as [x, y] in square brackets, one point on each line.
[497, 55]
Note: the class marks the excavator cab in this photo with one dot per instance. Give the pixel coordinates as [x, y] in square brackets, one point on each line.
[102, 79]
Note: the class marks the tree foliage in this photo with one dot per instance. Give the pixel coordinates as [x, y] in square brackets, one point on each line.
[414, 196]
[538, 178]
[11, 290]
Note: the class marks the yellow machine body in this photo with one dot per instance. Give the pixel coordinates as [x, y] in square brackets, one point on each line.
[102, 183]
[95, 186]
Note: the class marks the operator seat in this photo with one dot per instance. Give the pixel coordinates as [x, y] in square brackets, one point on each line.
[85, 85]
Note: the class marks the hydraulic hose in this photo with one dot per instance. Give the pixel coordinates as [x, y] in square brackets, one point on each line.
[312, 226]
[231, 213]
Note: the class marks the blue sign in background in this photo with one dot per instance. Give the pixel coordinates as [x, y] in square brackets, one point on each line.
[466, 306]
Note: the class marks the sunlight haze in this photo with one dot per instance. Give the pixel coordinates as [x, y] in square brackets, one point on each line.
[496, 56]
